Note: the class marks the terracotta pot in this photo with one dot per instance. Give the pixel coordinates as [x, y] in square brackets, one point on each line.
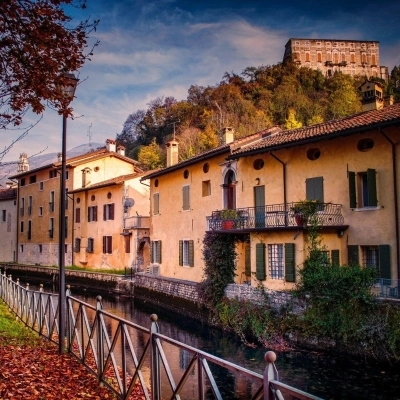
[227, 224]
[299, 218]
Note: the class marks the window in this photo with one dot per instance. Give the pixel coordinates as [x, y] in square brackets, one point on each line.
[127, 243]
[275, 261]
[40, 248]
[156, 251]
[92, 213]
[66, 226]
[373, 59]
[362, 189]
[29, 230]
[307, 57]
[22, 207]
[77, 247]
[315, 189]
[156, 203]
[90, 245]
[186, 197]
[186, 253]
[342, 57]
[77, 215]
[51, 202]
[352, 58]
[21, 248]
[186, 173]
[108, 212]
[206, 188]
[52, 173]
[107, 244]
[365, 144]
[21, 226]
[30, 205]
[260, 261]
[40, 185]
[319, 57]
[51, 228]
[377, 256]
[40, 211]
[3, 215]
[364, 58]
[32, 179]
[258, 164]
[336, 58]
[206, 167]
[66, 199]
[23, 182]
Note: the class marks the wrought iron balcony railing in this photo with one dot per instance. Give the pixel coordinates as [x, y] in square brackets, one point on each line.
[274, 216]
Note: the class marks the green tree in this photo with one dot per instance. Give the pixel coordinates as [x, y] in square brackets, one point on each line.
[150, 156]
[291, 122]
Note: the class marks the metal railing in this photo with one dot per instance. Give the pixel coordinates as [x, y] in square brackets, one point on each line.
[130, 359]
[275, 216]
[388, 288]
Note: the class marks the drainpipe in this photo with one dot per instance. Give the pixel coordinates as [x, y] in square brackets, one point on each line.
[396, 208]
[284, 178]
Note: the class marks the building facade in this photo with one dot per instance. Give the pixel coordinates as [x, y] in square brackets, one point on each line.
[352, 57]
[8, 224]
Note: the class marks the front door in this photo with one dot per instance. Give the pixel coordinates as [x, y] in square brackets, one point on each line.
[259, 206]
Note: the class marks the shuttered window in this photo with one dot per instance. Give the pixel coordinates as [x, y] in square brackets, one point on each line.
[186, 253]
[155, 256]
[92, 213]
[186, 197]
[78, 215]
[315, 189]
[77, 247]
[384, 261]
[156, 203]
[365, 182]
[335, 257]
[290, 266]
[90, 245]
[260, 261]
[247, 260]
[108, 212]
[352, 254]
[107, 244]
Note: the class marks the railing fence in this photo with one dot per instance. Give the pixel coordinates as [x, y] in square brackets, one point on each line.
[133, 360]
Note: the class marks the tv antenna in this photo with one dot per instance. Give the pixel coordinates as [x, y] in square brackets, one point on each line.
[89, 134]
[174, 123]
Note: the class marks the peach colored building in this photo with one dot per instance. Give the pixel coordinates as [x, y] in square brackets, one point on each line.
[351, 166]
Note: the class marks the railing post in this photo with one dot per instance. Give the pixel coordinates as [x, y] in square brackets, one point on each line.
[270, 373]
[100, 342]
[40, 307]
[68, 317]
[155, 360]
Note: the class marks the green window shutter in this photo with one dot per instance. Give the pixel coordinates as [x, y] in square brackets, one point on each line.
[352, 254]
[335, 257]
[247, 260]
[260, 261]
[104, 244]
[315, 189]
[384, 261]
[191, 253]
[186, 197]
[152, 252]
[156, 203]
[181, 252]
[159, 251]
[290, 267]
[352, 189]
[371, 184]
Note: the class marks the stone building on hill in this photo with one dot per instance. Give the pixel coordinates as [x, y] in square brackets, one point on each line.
[353, 57]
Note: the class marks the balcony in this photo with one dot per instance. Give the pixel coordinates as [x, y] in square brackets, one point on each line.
[137, 222]
[273, 217]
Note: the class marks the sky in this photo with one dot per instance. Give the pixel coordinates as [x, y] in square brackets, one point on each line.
[160, 48]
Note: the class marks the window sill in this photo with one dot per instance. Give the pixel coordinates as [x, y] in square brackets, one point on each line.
[367, 208]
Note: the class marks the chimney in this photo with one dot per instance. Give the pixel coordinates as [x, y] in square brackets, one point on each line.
[86, 176]
[172, 152]
[110, 145]
[23, 164]
[372, 96]
[59, 157]
[121, 150]
[228, 135]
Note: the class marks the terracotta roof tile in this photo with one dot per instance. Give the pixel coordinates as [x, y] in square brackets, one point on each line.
[367, 120]
[8, 194]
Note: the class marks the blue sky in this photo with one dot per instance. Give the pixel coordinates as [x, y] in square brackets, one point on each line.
[159, 48]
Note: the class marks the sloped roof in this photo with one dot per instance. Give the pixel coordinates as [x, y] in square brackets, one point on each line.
[364, 121]
[8, 194]
[118, 180]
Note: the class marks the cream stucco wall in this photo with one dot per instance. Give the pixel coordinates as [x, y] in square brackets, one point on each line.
[8, 230]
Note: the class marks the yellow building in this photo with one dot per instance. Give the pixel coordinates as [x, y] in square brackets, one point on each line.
[39, 198]
[350, 166]
[8, 224]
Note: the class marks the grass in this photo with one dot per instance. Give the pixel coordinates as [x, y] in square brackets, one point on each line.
[14, 331]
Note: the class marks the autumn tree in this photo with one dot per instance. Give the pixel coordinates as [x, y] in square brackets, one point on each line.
[38, 45]
[151, 157]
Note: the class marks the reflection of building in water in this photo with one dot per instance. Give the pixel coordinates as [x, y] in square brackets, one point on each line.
[352, 57]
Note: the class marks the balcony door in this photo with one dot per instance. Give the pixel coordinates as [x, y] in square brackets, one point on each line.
[230, 190]
[259, 206]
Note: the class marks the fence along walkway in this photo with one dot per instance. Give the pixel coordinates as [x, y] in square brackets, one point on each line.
[130, 359]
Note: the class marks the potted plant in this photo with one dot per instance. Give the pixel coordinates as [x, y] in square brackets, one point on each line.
[228, 217]
[303, 210]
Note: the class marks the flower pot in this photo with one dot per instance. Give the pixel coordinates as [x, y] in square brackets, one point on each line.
[300, 220]
[227, 224]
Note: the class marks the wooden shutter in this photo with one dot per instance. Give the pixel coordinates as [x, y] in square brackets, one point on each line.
[104, 212]
[104, 244]
[77, 215]
[335, 257]
[191, 253]
[186, 197]
[259, 204]
[95, 213]
[112, 211]
[109, 244]
[152, 252]
[156, 203]
[260, 261]
[384, 261]
[181, 252]
[247, 260]
[315, 189]
[127, 244]
[88, 215]
[352, 189]
[352, 254]
[159, 252]
[290, 267]
[371, 185]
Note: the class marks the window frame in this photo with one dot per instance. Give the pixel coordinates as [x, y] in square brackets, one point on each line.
[108, 212]
[107, 244]
[186, 197]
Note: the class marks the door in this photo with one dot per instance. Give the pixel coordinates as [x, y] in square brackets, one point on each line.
[259, 206]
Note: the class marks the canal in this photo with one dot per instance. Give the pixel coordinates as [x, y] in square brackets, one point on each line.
[324, 376]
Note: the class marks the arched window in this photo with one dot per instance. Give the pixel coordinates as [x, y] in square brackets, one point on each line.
[373, 59]
[336, 58]
[229, 188]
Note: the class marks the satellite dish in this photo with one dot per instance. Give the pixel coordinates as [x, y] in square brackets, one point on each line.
[128, 203]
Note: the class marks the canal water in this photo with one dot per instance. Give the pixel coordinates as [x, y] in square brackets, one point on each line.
[321, 375]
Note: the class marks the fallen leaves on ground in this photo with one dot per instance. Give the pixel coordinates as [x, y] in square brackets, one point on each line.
[39, 372]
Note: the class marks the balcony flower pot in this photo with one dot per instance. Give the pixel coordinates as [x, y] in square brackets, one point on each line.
[303, 210]
[228, 218]
[300, 220]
